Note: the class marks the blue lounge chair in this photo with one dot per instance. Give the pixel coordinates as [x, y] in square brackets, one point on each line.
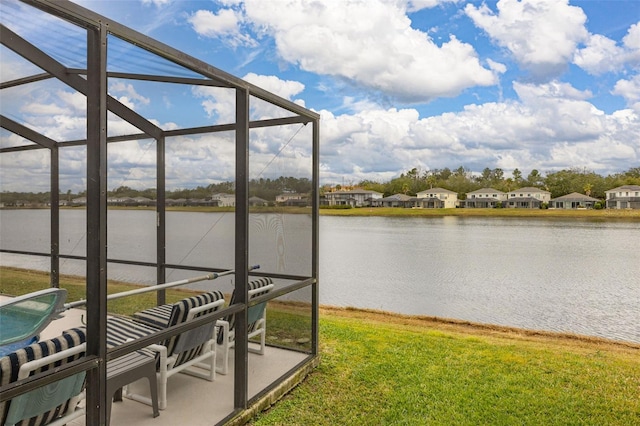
[23, 318]
[53, 404]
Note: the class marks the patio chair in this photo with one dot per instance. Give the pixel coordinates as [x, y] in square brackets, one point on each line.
[22, 318]
[192, 352]
[53, 404]
[159, 317]
[256, 320]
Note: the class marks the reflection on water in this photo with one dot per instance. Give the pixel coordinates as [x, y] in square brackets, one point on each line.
[565, 275]
[561, 275]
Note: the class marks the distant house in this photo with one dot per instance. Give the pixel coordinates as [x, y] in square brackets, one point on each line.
[201, 202]
[395, 200]
[119, 201]
[436, 198]
[292, 199]
[176, 202]
[80, 201]
[484, 198]
[257, 202]
[224, 200]
[623, 197]
[574, 200]
[144, 201]
[354, 198]
[283, 198]
[527, 198]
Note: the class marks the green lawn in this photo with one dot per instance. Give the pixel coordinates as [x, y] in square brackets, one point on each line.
[376, 372]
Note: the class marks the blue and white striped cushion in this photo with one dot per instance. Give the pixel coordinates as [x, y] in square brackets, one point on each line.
[11, 363]
[179, 313]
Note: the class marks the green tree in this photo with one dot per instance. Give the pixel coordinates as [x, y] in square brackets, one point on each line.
[534, 178]
[517, 176]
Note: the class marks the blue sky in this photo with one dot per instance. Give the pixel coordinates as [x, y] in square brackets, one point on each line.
[528, 84]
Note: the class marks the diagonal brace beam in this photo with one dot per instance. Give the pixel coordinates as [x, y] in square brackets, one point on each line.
[27, 133]
[39, 58]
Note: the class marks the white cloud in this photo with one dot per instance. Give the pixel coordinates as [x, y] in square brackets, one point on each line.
[542, 35]
[224, 24]
[220, 102]
[632, 39]
[414, 5]
[127, 94]
[602, 55]
[370, 43]
[156, 3]
[552, 126]
[283, 88]
[628, 89]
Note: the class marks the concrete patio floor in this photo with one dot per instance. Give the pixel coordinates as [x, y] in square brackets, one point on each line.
[190, 400]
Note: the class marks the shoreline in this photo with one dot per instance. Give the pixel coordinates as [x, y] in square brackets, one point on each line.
[387, 317]
[476, 328]
[591, 214]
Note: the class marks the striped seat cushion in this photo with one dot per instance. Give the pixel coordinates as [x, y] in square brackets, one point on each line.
[179, 313]
[11, 363]
[155, 317]
[121, 330]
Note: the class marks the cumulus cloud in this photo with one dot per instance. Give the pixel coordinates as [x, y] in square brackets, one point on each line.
[220, 102]
[414, 5]
[542, 35]
[371, 44]
[602, 55]
[629, 90]
[157, 3]
[225, 24]
[128, 95]
[549, 127]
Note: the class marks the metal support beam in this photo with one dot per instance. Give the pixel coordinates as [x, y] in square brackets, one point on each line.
[161, 211]
[26, 132]
[55, 218]
[315, 244]
[97, 222]
[242, 248]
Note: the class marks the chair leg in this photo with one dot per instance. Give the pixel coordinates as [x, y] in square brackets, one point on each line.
[153, 388]
[162, 388]
[225, 357]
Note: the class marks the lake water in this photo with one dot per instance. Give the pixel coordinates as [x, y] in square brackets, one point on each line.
[568, 275]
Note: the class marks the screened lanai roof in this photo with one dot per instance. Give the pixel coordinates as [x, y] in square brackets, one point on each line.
[143, 74]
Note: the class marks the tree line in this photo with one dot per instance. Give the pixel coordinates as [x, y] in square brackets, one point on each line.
[462, 181]
[266, 189]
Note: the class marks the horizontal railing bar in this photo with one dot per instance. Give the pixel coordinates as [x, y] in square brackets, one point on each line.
[30, 383]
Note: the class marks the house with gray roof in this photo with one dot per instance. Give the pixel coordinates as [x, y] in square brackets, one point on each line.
[353, 198]
[623, 197]
[574, 200]
[484, 198]
[527, 198]
[223, 199]
[395, 200]
[437, 198]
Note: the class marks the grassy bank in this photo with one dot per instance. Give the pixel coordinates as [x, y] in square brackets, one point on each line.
[381, 369]
[538, 213]
[404, 212]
